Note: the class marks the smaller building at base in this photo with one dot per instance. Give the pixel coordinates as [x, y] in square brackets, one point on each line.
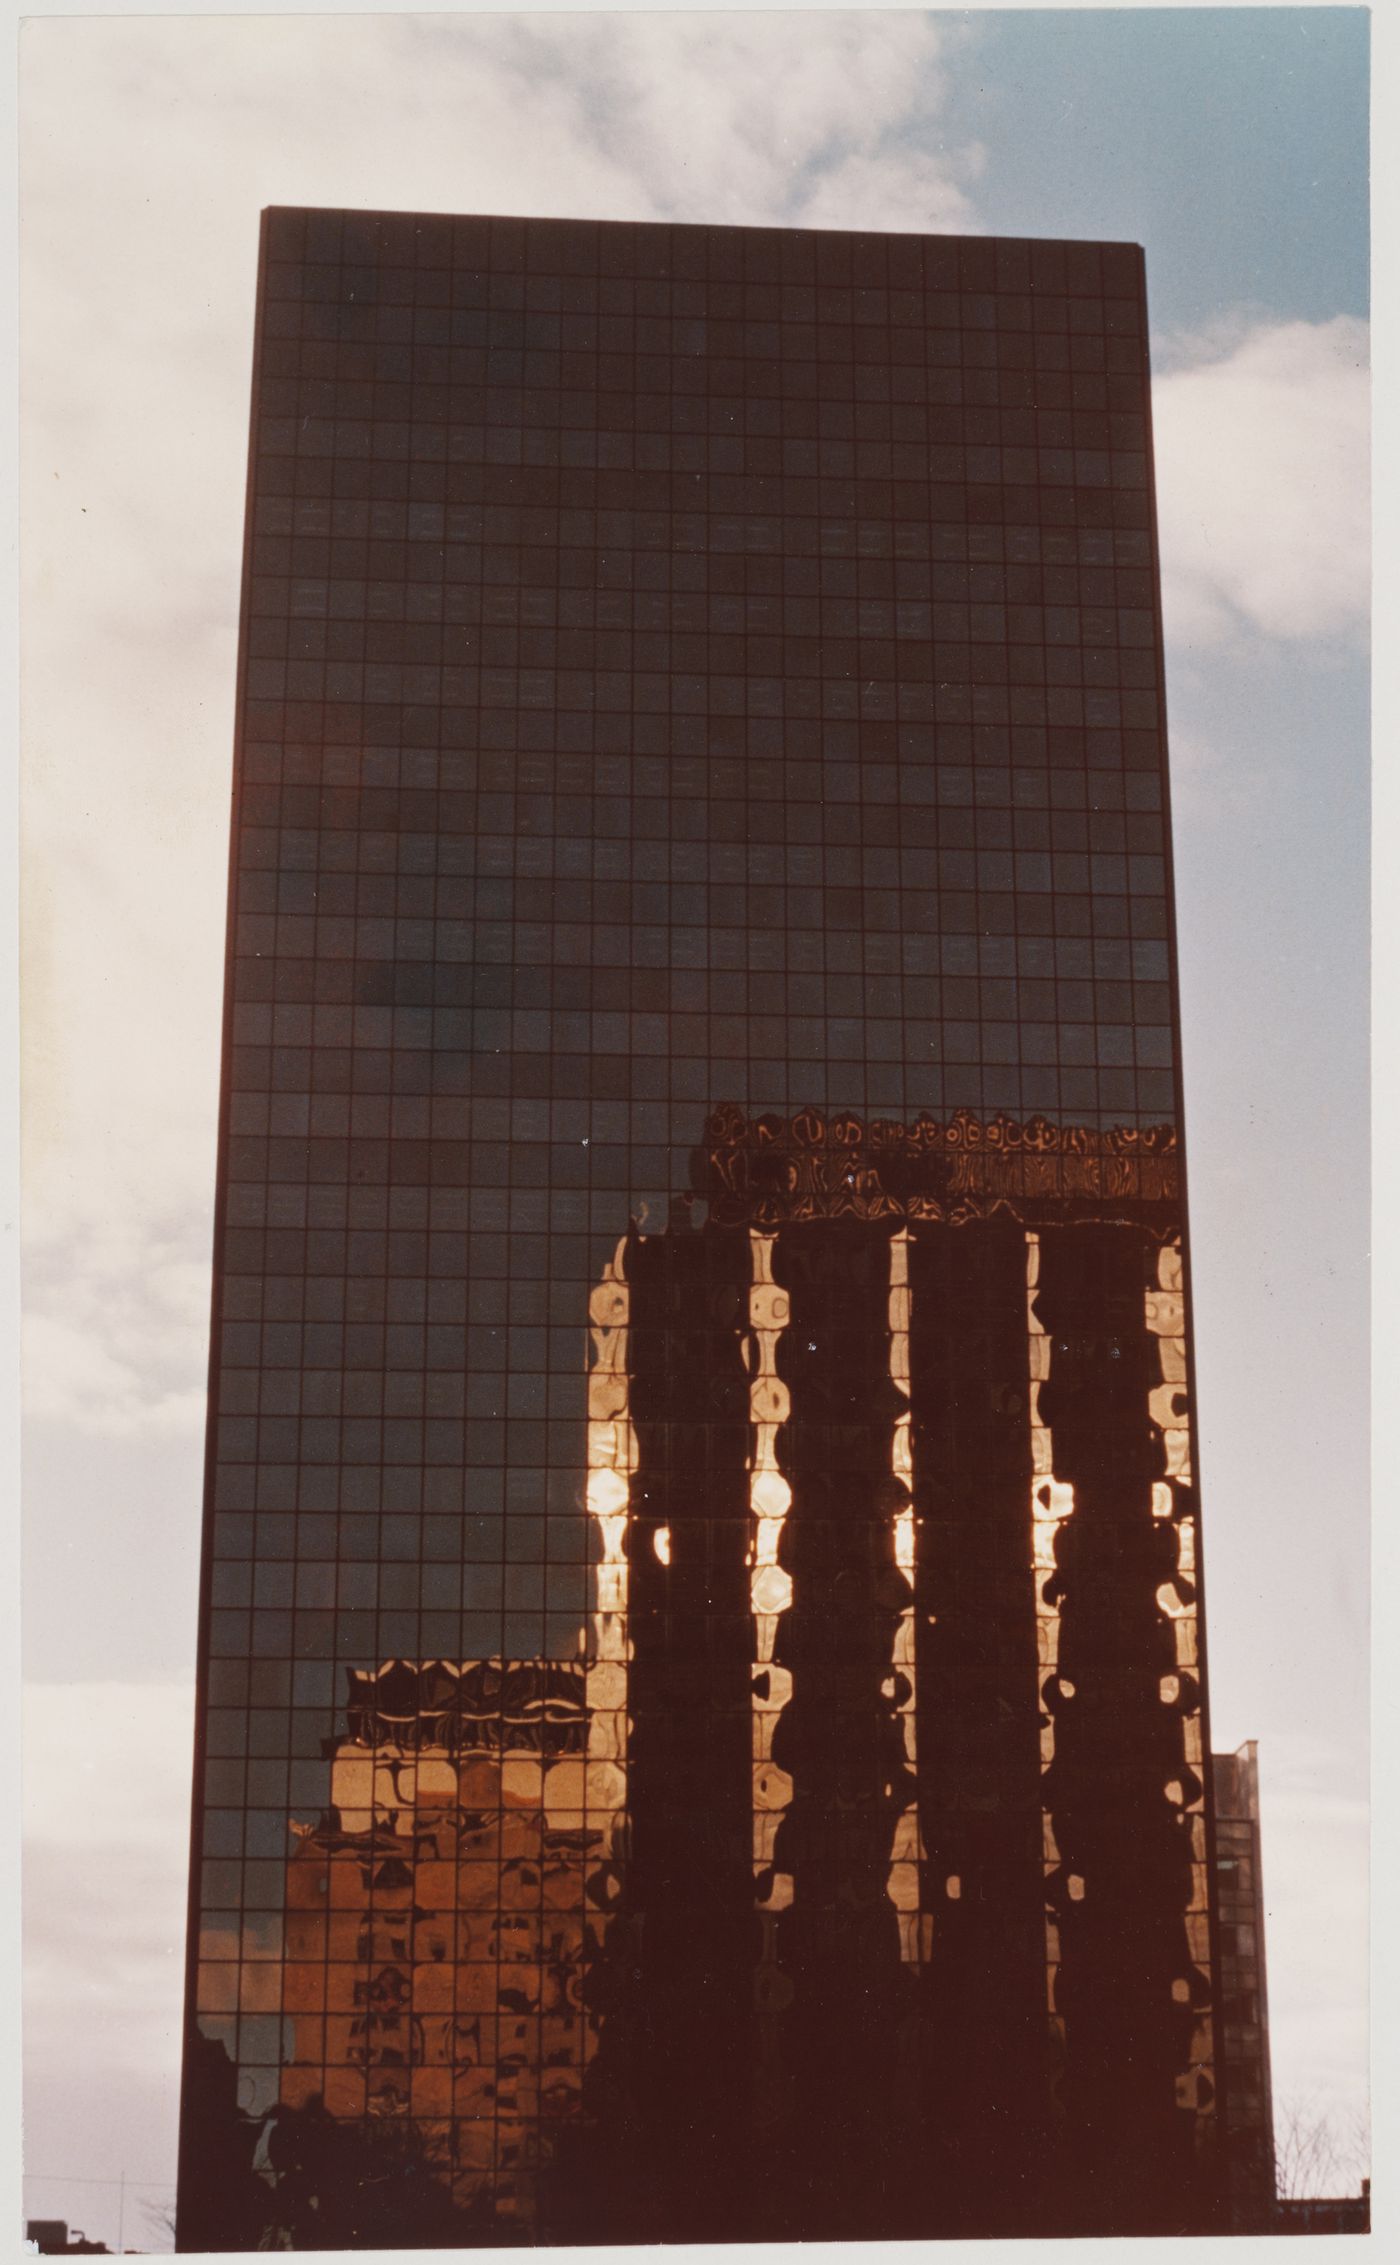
[1248, 2096]
[1324, 2213]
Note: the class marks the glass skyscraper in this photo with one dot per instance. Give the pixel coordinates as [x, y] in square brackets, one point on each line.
[702, 1711]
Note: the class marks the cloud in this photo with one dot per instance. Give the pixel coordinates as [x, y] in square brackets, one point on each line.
[732, 118]
[1263, 483]
[116, 1325]
[889, 189]
[72, 1375]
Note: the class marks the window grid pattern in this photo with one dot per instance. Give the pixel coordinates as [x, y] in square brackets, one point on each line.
[681, 667]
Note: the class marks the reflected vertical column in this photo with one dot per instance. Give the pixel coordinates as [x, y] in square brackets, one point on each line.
[685, 1977]
[839, 1737]
[1173, 1500]
[612, 1458]
[770, 1589]
[982, 1984]
[1051, 1503]
[1120, 1781]
[906, 1858]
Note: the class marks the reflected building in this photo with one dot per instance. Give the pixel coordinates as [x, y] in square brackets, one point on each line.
[440, 1921]
[703, 1720]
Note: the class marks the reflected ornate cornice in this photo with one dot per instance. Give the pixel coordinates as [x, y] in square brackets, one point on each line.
[771, 1170]
[482, 1706]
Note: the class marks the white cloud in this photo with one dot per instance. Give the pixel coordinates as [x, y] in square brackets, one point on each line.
[894, 190]
[71, 1375]
[1262, 482]
[732, 118]
[116, 1325]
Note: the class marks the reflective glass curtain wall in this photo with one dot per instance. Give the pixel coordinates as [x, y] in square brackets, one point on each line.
[700, 1531]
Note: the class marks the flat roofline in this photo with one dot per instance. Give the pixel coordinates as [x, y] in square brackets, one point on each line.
[703, 227]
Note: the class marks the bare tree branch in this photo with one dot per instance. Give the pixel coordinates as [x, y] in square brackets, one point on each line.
[1319, 2150]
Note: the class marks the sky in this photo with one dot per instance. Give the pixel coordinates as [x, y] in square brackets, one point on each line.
[1232, 144]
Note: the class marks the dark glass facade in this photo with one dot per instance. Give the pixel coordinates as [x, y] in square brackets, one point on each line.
[702, 1711]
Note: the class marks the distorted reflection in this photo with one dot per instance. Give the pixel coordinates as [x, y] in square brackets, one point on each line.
[891, 1447]
[440, 1921]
